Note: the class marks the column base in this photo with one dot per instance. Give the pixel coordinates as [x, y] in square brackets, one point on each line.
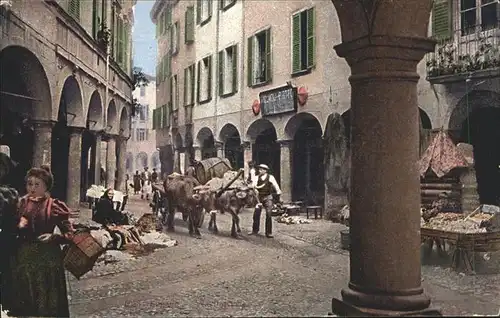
[343, 309]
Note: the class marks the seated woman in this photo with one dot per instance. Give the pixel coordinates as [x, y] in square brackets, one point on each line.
[106, 213]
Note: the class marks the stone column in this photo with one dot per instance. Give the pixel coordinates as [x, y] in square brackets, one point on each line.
[111, 161]
[74, 167]
[121, 163]
[247, 156]
[42, 142]
[385, 275]
[220, 149]
[98, 163]
[197, 153]
[177, 167]
[286, 176]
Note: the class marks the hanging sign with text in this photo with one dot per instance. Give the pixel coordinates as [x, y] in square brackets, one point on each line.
[278, 101]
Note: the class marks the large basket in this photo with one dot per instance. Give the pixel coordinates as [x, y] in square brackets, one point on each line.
[82, 254]
[211, 168]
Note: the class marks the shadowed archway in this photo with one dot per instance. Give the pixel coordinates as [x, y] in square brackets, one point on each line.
[265, 148]
[206, 140]
[230, 137]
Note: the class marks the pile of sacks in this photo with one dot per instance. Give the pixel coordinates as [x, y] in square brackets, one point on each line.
[285, 218]
[218, 183]
[454, 222]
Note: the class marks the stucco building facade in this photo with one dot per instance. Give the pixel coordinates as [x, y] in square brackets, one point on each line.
[141, 147]
[66, 89]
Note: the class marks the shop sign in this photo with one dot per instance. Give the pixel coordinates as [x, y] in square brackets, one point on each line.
[278, 101]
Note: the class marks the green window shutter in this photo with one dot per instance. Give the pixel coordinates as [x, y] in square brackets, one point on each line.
[441, 20]
[184, 92]
[171, 37]
[220, 63]
[296, 42]
[311, 38]
[210, 6]
[161, 23]
[74, 8]
[209, 82]
[269, 67]
[192, 77]
[198, 81]
[250, 62]
[95, 19]
[169, 59]
[171, 88]
[198, 11]
[169, 16]
[154, 119]
[235, 68]
[189, 25]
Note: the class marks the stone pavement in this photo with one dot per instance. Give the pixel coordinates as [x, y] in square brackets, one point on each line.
[295, 274]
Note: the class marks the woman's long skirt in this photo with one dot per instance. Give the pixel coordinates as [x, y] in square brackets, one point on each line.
[38, 286]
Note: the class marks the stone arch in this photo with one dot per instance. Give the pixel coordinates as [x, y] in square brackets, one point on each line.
[124, 122]
[72, 102]
[111, 117]
[469, 103]
[95, 112]
[141, 160]
[155, 161]
[24, 75]
[257, 127]
[425, 120]
[203, 134]
[299, 119]
[129, 163]
[230, 137]
[206, 140]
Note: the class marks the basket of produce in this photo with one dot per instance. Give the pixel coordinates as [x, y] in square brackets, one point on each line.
[81, 254]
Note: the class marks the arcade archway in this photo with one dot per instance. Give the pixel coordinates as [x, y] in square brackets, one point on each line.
[230, 137]
[478, 118]
[206, 140]
[155, 161]
[141, 161]
[25, 95]
[69, 106]
[265, 148]
[307, 166]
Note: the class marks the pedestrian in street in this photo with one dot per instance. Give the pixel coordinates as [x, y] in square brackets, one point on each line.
[154, 176]
[137, 182]
[265, 184]
[147, 190]
[37, 284]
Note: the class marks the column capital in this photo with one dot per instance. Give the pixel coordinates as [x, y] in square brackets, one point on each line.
[246, 145]
[76, 130]
[218, 144]
[285, 143]
[43, 124]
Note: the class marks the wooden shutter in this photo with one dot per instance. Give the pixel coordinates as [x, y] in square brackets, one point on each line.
[269, 67]
[250, 62]
[171, 88]
[311, 38]
[178, 36]
[171, 39]
[296, 43]
[189, 25]
[192, 75]
[441, 20]
[198, 81]
[220, 63]
[185, 92]
[154, 119]
[74, 9]
[198, 11]
[235, 68]
[95, 19]
[209, 77]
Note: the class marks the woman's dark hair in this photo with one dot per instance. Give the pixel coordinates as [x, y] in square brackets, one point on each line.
[43, 173]
[105, 194]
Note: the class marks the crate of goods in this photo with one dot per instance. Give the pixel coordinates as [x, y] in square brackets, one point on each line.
[82, 254]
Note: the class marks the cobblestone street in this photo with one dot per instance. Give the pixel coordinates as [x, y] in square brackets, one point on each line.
[295, 274]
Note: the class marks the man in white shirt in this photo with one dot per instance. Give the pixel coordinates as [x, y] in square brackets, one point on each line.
[265, 184]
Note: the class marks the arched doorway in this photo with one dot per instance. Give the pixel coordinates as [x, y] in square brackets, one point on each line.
[476, 120]
[230, 136]
[70, 105]
[25, 95]
[206, 140]
[307, 166]
[141, 161]
[155, 161]
[265, 148]
[89, 155]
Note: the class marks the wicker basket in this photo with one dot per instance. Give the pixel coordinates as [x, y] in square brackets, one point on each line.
[82, 254]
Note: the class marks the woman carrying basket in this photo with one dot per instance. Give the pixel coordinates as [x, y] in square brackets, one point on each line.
[38, 286]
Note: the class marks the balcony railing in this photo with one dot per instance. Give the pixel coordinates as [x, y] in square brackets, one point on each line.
[466, 53]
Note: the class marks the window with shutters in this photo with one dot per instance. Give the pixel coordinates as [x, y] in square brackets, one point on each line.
[141, 134]
[478, 15]
[189, 25]
[259, 58]
[203, 11]
[174, 92]
[442, 20]
[74, 9]
[228, 71]
[204, 92]
[189, 83]
[96, 17]
[226, 4]
[303, 41]
[174, 38]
